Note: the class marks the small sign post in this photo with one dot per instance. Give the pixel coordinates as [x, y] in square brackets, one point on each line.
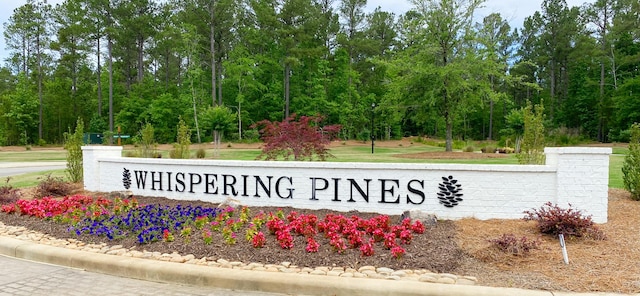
[565, 256]
[119, 136]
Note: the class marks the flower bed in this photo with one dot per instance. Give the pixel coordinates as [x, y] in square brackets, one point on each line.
[121, 218]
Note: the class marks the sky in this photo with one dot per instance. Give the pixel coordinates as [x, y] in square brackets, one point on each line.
[514, 11]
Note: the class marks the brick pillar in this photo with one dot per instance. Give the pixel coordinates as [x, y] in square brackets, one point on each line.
[91, 165]
[582, 179]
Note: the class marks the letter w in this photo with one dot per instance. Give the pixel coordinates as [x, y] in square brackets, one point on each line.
[141, 178]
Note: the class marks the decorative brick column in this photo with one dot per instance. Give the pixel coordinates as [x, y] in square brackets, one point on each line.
[91, 165]
[582, 179]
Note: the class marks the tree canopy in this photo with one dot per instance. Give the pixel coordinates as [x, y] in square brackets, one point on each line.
[440, 69]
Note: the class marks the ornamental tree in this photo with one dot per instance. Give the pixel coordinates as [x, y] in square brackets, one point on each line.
[301, 137]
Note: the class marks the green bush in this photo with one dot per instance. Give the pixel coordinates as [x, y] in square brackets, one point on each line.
[201, 153]
[631, 165]
[623, 136]
[181, 149]
[147, 142]
[533, 139]
[73, 145]
[564, 136]
[251, 136]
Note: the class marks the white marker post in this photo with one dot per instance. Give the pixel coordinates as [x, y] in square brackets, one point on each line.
[564, 249]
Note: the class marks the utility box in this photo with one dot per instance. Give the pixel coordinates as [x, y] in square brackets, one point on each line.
[92, 138]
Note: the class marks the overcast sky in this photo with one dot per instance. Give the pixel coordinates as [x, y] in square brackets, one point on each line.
[514, 11]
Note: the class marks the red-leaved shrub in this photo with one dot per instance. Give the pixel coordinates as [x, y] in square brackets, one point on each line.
[553, 220]
[509, 243]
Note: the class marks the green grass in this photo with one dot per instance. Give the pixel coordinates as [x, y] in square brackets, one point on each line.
[32, 179]
[615, 167]
[34, 156]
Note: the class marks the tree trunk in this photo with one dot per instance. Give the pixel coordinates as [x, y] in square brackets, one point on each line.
[40, 115]
[110, 53]
[140, 58]
[491, 111]
[287, 78]
[99, 69]
[212, 38]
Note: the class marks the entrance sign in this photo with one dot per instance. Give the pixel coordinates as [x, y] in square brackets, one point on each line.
[574, 175]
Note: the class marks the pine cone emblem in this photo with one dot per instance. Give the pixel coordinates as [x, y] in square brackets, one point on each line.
[449, 194]
[126, 179]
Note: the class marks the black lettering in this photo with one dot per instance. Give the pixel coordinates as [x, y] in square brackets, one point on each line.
[335, 191]
[155, 181]
[267, 189]
[210, 182]
[353, 184]
[384, 190]
[169, 181]
[314, 187]
[193, 182]
[141, 178]
[288, 189]
[244, 185]
[416, 192]
[180, 181]
[229, 184]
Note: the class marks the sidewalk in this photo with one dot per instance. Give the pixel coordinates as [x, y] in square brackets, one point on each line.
[27, 278]
[242, 280]
[32, 164]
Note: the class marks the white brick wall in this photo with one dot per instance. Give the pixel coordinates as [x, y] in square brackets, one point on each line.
[578, 176]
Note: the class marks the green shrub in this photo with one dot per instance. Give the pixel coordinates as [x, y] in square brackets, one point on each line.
[563, 136]
[201, 153]
[458, 144]
[488, 149]
[147, 142]
[631, 165]
[131, 154]
[181, 149]
[107, 138]
[73, 145]
[251, 136]
[621, 136]
[364, 135]
[469, 149]
[533, 139]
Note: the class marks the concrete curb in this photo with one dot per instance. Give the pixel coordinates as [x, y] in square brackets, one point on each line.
[244, 280]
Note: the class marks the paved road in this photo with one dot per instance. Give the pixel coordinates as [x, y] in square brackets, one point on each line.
[17, 168]
[20, 277]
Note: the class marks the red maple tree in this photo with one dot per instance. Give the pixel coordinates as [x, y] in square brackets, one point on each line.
[301, 137]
